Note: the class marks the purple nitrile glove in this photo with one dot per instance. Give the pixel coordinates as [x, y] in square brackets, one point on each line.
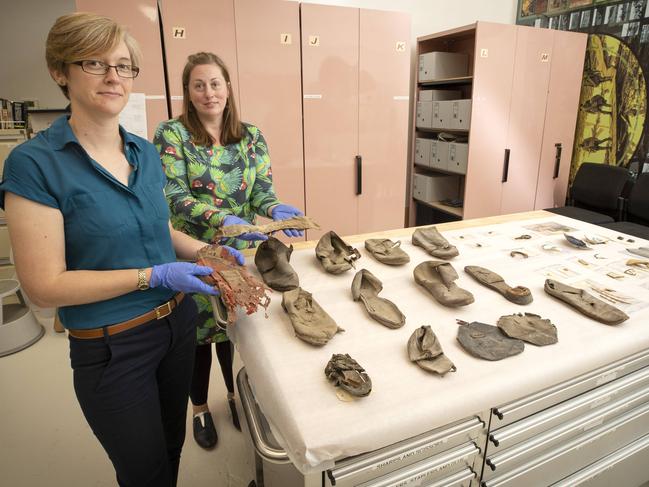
[236, 254]
[181, 276]
[235, 220]
[284, 212]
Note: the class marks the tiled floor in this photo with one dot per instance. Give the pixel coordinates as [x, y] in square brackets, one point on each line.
[45, 441]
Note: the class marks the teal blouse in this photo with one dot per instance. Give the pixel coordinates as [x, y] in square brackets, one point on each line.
[108, 225]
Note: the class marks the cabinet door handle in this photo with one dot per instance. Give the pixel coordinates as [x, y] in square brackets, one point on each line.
[359, 175]
[557, 160]
[506, 166]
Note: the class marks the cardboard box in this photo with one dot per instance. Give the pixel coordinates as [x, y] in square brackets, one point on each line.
[422, 152]
[442, 113]
[424, 114]
[443, 65]
[439, 155]
[461, 115]
[437, 95]
[458, 157]
[434, 187]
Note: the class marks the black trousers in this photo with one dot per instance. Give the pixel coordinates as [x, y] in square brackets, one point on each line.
[133, 389]
[202, 366]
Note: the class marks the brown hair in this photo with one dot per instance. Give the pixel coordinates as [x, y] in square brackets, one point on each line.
[77, 36]
[232, 129]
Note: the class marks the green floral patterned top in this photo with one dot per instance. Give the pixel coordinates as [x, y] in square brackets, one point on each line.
[205, 184]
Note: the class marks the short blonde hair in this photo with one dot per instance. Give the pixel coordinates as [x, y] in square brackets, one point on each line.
[78, 36]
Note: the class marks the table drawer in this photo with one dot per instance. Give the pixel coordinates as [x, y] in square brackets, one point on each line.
[431, 471]
[538, 444]
[576, 454]
[636, 384]
[626, 466]
[354, 470]
[520, 408]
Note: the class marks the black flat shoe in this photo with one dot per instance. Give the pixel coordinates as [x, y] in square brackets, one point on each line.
[233, 411]
[204, 431]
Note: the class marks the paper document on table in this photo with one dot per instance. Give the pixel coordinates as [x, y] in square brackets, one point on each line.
[133, 117]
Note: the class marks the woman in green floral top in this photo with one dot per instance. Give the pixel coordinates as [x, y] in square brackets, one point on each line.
[218, 173]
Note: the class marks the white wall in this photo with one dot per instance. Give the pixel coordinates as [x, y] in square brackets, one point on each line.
[429, 16]
[24, 26]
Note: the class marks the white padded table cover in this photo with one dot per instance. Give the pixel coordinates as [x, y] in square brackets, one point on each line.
[316, 428]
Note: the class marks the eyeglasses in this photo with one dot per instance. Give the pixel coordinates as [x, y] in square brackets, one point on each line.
[99, 68]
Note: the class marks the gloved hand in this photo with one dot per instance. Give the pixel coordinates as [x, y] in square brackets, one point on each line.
[235, 253]
[181, 276]
[235, 220]
[284, 212]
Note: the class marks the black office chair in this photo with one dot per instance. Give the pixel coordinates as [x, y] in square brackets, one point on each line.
[636, 214]
[596, 194]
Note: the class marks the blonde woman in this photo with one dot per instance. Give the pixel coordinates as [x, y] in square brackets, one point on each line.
[90, 230]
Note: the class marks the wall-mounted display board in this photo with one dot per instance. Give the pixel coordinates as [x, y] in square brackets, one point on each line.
[611, 126]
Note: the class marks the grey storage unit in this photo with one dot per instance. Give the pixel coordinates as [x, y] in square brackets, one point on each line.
[581, 425]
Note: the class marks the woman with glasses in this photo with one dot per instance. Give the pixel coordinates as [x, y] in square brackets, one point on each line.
[218, 173]
[90, 232]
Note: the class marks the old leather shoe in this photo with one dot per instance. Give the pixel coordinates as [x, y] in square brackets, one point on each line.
[434, 243]
[334, 254]
[438, 277]
[272, 261]
[366, 288]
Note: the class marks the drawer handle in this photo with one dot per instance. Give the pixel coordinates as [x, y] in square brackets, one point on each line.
[359, 175]
[557, 160]
[506, 166]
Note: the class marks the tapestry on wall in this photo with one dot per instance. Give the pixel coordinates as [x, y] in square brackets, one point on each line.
[613, 103]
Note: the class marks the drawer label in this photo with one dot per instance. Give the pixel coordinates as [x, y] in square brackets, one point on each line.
[408, 454]
[600, 401]
[606, 378]
[422, 476]
[592, 424]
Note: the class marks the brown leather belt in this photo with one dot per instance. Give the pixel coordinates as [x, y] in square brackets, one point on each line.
[158, 313]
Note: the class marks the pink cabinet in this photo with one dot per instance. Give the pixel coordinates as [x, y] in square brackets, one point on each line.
[268, 54]
[355, 69]
[526, 117]
[560, 119]
[330, 106]
[141, 19]
[492, 85]
[384, 63]
[205, 25]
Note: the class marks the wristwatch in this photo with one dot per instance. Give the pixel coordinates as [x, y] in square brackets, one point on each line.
[142, 283]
